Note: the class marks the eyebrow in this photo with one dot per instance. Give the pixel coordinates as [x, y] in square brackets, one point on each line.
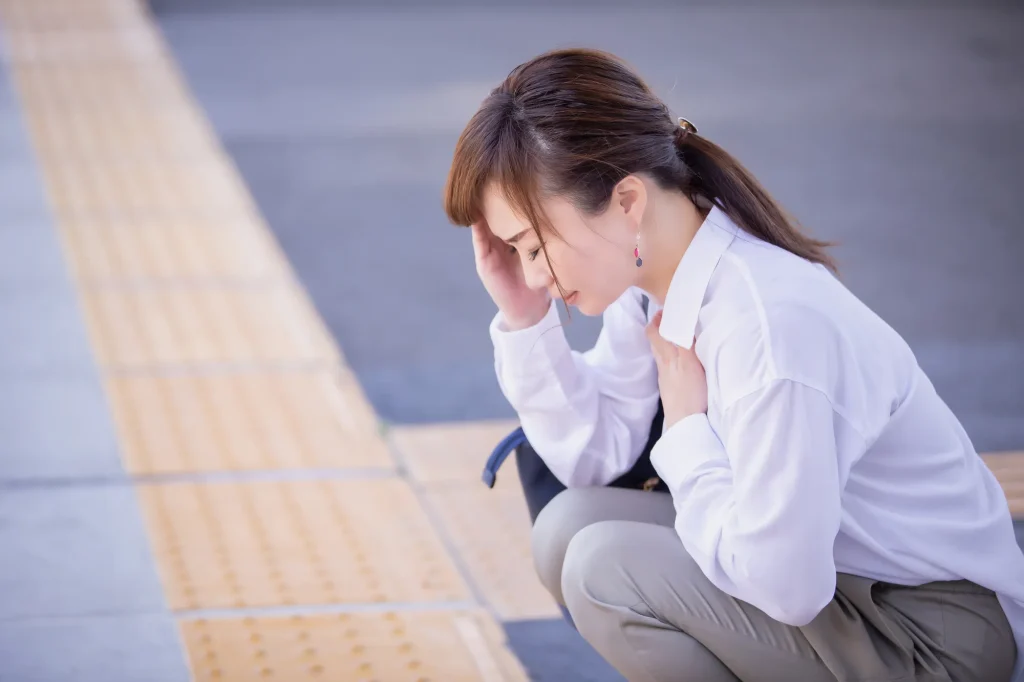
[519, 236]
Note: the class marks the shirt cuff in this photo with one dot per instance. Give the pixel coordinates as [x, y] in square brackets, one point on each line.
[684, 448]
[533, 347]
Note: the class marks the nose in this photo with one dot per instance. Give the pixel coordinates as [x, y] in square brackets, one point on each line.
[537, 274]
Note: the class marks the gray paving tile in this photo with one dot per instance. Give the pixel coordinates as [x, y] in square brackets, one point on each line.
[354, 198]
[73, 552]
[552, 651]
[22, 197]
[42, 332]
[978, 379]
[30, 255]
[12, 129]
[56, 428]
[101, 649]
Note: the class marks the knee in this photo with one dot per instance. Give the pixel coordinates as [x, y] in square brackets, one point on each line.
[556, 525]
[593, 559]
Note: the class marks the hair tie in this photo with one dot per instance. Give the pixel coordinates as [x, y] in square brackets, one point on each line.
[687, 126]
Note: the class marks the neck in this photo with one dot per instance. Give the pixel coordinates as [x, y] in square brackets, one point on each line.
[668, 228]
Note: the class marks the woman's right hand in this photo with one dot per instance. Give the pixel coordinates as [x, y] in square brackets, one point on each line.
[501, 271]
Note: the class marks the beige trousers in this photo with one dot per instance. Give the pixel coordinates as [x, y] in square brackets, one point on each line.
[613, 559]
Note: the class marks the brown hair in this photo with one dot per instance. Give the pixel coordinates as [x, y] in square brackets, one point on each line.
[574, 123]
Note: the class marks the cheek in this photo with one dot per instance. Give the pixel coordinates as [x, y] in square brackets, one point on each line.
[590, 264]
[570, 266]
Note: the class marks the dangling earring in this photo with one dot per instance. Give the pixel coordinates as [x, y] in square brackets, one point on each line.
[636, 251]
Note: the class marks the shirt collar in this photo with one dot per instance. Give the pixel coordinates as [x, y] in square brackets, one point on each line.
[690, 282]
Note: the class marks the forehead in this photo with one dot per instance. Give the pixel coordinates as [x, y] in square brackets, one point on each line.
[505, 223]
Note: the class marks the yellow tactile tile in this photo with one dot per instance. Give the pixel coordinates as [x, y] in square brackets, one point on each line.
[145, 190]
[132, 41]
[491, 531]
[179, 249]
[489, 527]
[243, 421]
[144, 84]
[453, 452]
[1008, 468]
[221, 545]
[460, 646]
[154, 326]
[71, 15]
[119, 135]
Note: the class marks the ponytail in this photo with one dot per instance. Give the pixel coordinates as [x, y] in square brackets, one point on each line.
[717, 176]
[575, 122]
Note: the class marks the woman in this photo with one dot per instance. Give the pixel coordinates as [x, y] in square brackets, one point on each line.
[826, 518]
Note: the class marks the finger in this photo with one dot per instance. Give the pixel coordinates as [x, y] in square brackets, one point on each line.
[692, 353]
[659, 346]
[481, 239]
[654, 328]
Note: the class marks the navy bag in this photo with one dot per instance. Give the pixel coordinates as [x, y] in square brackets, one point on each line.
[540, 485]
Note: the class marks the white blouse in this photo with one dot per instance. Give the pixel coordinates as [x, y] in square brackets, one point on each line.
[825, 447]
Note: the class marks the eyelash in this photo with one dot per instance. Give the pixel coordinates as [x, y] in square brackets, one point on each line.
[532, 255]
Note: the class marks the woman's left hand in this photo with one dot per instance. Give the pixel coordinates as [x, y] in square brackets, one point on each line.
[681, 378]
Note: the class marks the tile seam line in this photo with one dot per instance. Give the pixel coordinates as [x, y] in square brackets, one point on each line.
[182, 95]
[434, 518]
[238, 192]
[335, 608]
[235, 192]
[273, 611]
[221, 477]
[59, 215]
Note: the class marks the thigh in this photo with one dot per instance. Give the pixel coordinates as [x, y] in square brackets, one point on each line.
[959, 624]
[640, 573]
[576, 508]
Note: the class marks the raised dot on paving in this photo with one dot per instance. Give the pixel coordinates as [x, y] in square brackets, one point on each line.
[458, 646]
[243, 421]
[222, 545]
[1008, 468]
[159, 326]
[104, 250]
[489, 527]
[491, 531]
[145, 190]
[20, 16]
[454, 452]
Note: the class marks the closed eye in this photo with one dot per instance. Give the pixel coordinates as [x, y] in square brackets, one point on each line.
[532, 255]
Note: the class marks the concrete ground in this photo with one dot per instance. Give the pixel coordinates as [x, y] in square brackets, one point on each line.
[892, 130]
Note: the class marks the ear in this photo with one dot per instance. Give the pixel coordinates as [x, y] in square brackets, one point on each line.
[630, 197]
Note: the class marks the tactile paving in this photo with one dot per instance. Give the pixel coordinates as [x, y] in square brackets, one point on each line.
[458, 646]
[48, 46]
[139, 191]
[146, 327]
[1008, 468]
[491, 531]
[92, 80]
[489, 527]
[174, 250]
[70, 15]
[242, 421]
[119, 135]
[223, 545]
[454, 452]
